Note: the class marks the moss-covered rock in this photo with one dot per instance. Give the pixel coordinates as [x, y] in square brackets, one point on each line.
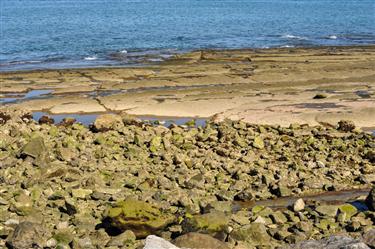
[155, 144]
[254, 233]
[34, 148]
[212, 222]
[258, 143]
[140, 217]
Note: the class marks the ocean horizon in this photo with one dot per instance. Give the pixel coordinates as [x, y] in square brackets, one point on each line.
[90, 33]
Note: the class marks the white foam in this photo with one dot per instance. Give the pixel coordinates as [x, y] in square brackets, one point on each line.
[123, 51]
[294, 37]
[22, 62]
[91, 58]
[287, 46]
[332, 37]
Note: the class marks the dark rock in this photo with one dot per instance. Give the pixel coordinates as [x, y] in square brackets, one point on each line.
[346, 125]
[27, 117]
[4, 117]
[46, 120]
[68, 121]
[320, 96]
[370, 200]
[199, 241]
[371, 156]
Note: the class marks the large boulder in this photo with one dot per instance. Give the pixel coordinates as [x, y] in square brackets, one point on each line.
[213, 222]
[333, 242]
[199, 241]
[107, 122]
[27, 235]
[141, 217]
[370, 200]
[254, 233]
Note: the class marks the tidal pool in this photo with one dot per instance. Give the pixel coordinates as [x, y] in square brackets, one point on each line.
[88, 119]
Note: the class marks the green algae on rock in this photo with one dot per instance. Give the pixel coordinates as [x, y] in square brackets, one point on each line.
[212, 222]
[35, 148]
[141, 217]
[193, 172]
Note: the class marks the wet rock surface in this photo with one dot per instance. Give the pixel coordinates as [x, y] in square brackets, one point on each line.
[69, 186]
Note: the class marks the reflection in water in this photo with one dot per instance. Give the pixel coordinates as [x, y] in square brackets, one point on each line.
[33, 94]
[87, 119]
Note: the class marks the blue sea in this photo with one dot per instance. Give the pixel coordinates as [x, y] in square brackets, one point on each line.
[39, 34]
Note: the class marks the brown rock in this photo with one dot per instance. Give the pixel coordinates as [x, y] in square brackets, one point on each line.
[68, 121]
[199, 241]
[46, 120]
[370, 200]
[346, 125]
[26, 235]
[4, 117]
[107, 122]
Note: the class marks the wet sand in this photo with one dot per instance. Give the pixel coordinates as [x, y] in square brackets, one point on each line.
[270, 86]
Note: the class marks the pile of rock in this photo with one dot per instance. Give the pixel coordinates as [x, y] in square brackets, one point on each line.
[110, 186]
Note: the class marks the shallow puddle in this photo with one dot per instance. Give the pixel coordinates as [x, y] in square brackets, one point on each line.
[333, 198]
[33, 94]
[87, 119]
[363, 94]
[327, 105]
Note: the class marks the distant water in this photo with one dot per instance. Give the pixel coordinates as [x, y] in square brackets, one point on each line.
[82, 33]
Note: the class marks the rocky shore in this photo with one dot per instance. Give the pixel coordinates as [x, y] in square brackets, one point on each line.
[120, 182]
[265, 86]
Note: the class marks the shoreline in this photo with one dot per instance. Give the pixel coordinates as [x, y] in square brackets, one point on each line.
[314, 85]
[188, 51]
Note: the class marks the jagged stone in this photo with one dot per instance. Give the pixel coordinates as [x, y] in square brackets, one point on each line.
[298, 205]
[34, 148]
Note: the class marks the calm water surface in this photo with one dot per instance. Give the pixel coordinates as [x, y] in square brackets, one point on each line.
[75, 33]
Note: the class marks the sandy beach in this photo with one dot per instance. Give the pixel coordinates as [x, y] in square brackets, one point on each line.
[265, 86]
